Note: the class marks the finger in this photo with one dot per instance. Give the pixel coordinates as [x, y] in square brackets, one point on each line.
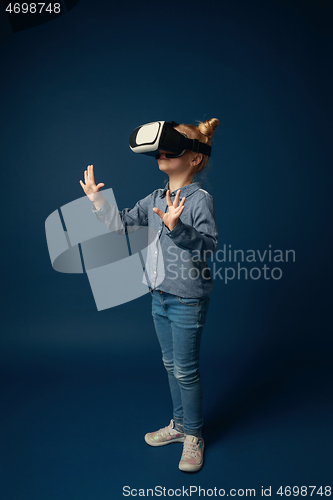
[85, 176]
[179, 210]
[91, 173]
[82, 185]
[100, 185]
[176, 201]
[168, 199]
[181, 206]
[159, 212]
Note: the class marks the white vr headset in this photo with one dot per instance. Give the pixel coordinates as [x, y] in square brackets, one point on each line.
[153, 137]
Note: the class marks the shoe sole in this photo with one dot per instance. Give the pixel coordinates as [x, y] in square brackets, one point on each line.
[155, 443]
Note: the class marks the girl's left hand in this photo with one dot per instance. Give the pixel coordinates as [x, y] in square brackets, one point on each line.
[171, 217]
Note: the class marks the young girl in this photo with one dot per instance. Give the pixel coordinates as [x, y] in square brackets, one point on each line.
[183, 215]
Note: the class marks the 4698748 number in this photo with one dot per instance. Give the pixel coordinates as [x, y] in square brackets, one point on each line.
[33, 8]
[304, 491]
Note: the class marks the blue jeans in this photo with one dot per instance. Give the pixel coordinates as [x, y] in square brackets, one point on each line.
[179, 323]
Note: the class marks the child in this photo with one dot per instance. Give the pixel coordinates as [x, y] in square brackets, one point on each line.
[183, 215]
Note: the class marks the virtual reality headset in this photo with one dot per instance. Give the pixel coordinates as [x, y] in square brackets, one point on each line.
[154, 137]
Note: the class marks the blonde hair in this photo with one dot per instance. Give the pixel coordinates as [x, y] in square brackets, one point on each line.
[204, 133]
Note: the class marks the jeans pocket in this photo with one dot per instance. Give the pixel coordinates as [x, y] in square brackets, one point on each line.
[189, 302]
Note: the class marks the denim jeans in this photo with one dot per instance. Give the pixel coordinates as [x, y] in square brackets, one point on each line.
[179, 323]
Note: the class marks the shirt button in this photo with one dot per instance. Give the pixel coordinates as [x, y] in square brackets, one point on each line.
[154, 272]
[156, 251]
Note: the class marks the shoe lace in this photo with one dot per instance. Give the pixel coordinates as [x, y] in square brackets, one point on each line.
[190, 449]
[165, 431]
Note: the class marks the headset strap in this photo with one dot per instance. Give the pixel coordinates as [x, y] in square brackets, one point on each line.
[199, 147]
[193, 144]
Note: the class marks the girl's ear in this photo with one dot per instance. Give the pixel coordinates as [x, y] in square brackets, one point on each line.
[197, 159]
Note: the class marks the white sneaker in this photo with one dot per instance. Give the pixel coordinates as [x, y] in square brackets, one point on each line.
[192, 457]
[165, 436]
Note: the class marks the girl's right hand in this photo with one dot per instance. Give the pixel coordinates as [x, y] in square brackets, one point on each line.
[91, 189]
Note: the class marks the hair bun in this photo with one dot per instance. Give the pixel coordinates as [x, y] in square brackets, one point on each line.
[208, 127]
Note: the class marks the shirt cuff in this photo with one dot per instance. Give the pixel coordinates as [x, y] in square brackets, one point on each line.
[101, 211]
[177, 231]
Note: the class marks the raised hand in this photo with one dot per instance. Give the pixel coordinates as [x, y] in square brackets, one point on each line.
[171, 217]
[91, 189]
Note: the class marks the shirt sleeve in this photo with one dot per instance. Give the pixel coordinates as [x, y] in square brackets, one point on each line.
[119, 221]
[202, 237]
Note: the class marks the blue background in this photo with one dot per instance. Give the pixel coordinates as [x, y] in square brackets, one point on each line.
[79, 387]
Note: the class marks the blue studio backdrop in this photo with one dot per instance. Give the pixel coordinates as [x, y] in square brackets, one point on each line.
[81, 387]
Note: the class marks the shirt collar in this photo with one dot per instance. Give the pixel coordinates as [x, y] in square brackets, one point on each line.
[184, 191]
